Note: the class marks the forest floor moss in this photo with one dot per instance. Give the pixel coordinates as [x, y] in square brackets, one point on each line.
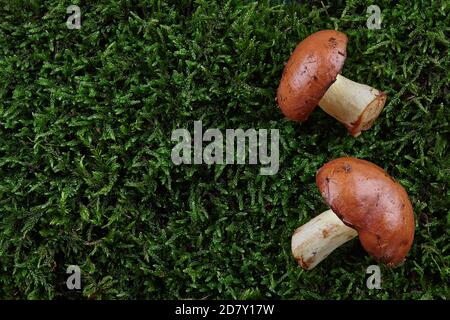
[87, 179]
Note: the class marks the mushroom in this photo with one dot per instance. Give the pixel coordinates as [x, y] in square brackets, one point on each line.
[366, 202]
[311, 77]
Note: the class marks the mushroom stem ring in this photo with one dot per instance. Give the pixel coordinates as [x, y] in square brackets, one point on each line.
[355, 105]
[315, 240]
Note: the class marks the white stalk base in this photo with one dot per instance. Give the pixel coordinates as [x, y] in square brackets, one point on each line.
[315, 240]
[355, 105]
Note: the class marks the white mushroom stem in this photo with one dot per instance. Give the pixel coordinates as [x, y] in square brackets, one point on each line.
[315, 240]
[355, 105]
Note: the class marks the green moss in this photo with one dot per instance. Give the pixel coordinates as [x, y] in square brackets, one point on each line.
[86, 174]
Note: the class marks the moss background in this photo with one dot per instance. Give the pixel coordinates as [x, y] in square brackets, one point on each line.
[86, 175]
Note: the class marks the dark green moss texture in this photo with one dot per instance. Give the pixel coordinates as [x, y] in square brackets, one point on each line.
[86, 176]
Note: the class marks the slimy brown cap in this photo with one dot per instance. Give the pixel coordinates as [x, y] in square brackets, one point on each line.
[310, 71]
[368, 200]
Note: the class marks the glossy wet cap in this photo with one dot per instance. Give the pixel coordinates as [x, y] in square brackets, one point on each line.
[310, 71]
[368, 200]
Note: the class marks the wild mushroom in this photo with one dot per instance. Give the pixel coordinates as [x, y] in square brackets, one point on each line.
[366, 202]
[311, 77]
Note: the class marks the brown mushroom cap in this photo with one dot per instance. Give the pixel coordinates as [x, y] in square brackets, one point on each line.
[368, 200]
[310, 71]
